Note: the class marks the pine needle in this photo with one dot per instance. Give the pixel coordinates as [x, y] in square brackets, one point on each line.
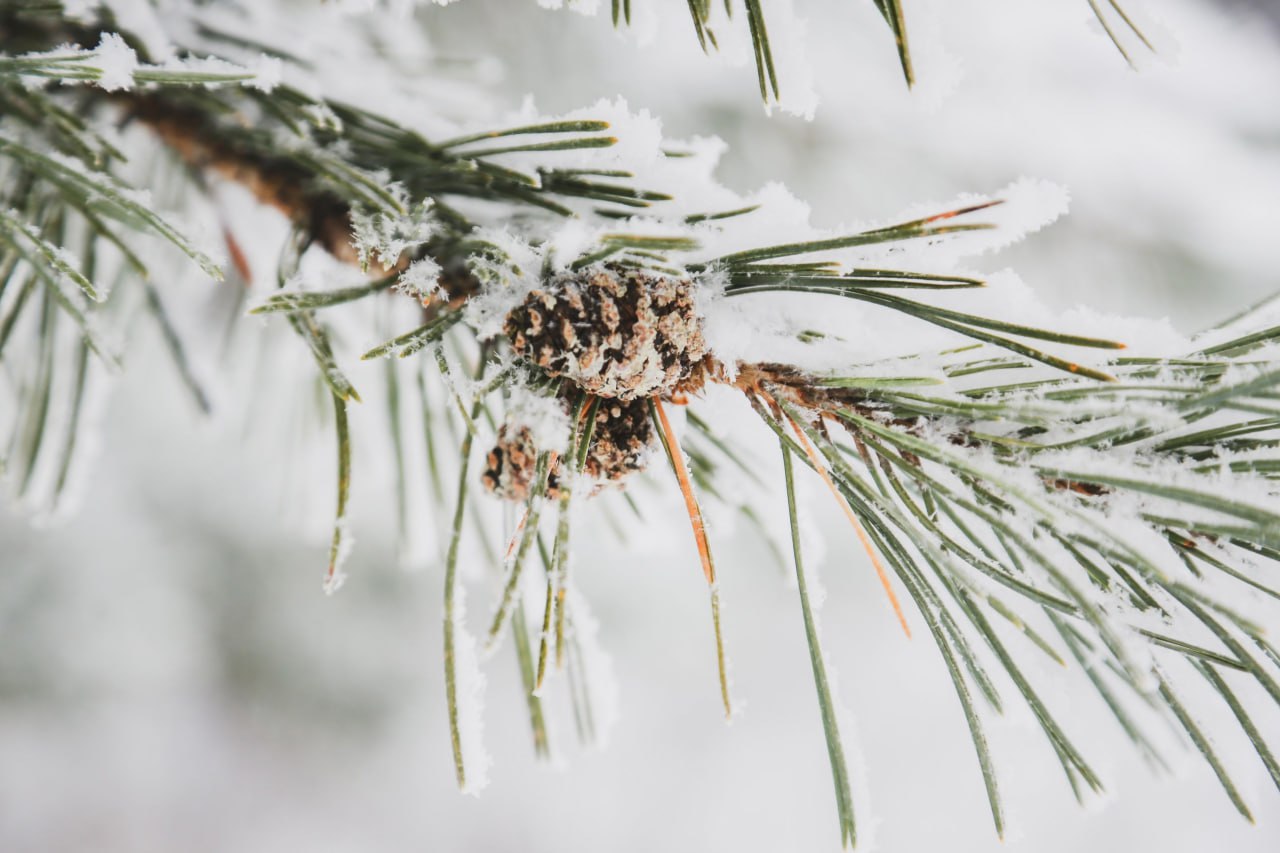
[450, 590]
[686, 490]
[524, 656]
[1202, 744]
[558, 572]
[333, 578]
[1246, 723]
[676, 458]
[857, 527]
[835, 750]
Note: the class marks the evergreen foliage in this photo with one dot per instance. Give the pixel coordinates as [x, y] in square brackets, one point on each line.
[1033, 493]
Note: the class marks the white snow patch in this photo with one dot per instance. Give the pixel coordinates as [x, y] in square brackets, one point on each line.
[421, 279]
[506, 276]
[543, 416]
[338, 577]
[384, 236]
[117, 61]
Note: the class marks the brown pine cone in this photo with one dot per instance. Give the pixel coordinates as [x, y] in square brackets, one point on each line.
[616, 333]
[509, 468]
[619, 445]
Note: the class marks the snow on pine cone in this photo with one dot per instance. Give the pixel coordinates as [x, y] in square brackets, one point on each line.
[619, 446]
[616, 333]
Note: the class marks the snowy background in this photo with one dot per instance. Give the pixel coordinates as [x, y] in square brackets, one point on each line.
[172, 678]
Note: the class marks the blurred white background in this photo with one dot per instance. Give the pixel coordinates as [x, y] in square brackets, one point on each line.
[172, 678]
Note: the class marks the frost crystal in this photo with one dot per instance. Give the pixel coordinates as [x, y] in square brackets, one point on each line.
[384, 237]
[117, 62]
[268, 72]
[544, 417]
[421, 280]
[507, 273]
[470, 697]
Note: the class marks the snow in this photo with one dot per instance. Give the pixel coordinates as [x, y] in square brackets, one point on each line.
[117, 61]
[114, 65]
[421, 280]
[507, 278]
[545, 418]
[346, 542]
[736, 329]
[268, 72]
[383, 237]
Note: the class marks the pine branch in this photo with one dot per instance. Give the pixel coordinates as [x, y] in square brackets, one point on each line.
[1127, 503]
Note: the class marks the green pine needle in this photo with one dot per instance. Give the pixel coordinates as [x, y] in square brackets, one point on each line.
[826, 703]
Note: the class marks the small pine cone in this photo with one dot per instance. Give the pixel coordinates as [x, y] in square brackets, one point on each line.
[509, 468]
[617, 333]
[619, 447]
